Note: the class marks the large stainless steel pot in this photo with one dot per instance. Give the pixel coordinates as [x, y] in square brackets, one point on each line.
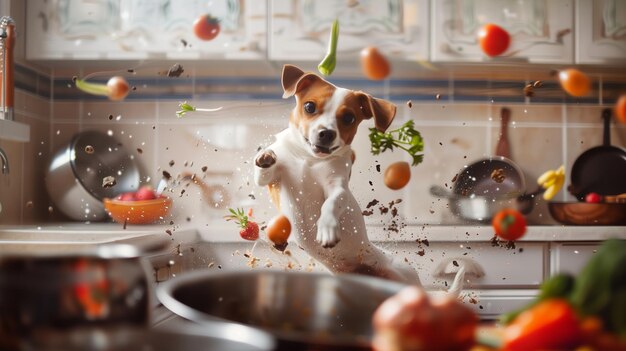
[484, 208]
[305, 311]
[217, 336]
[74, 177]
[73, 286]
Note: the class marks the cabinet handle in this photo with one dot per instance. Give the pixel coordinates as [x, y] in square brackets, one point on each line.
[451, 266]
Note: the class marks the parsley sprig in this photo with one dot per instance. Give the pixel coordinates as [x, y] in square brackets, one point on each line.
[405, 138]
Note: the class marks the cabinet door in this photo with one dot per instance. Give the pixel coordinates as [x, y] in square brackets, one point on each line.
[571, 257]
[300, 29]
[541, 31]
[601, 31]
[143, 29]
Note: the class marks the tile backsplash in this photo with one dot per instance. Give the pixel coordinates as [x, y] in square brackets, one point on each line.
[459, 127]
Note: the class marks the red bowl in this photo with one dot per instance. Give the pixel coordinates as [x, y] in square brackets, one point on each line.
[138, 212]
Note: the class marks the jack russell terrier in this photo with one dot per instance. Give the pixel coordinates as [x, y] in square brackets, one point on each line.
[308, 168]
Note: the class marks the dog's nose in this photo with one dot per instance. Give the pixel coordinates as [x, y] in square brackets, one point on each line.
[326, 136]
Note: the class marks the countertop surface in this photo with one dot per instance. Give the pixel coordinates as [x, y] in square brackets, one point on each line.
[220, 231]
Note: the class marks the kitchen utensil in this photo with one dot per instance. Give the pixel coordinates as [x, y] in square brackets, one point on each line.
[601, 169]
[478, 179]
[487, 186]
[502, 146]
[138, 212]
[216, 336]
[483, 208]
[74, 177]
[7, 46]
[582, 213]
[56, 291]
[303, 310]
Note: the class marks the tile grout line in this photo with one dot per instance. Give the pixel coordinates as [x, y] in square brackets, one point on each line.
[22, 202]
[564, 148]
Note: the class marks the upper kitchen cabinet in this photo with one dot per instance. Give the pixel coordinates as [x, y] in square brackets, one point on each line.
[541, 31]
[601, 31]
[300, 29]
[143, 29]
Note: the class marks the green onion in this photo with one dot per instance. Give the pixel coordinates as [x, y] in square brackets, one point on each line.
[327, 66]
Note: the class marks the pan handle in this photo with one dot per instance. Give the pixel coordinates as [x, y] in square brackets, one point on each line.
[606, 136]
[439, 191]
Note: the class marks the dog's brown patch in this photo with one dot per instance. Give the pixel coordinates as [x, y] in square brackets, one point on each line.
[315, 90]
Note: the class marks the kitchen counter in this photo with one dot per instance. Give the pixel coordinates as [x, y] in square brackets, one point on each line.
[219, 231]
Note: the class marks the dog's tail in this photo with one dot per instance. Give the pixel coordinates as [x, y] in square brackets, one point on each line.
[274, 190]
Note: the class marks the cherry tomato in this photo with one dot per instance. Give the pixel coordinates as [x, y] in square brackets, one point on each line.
[374, 64]
[509, 224]
[593, 198]
[397, 175]
[550, 325]
[574, 82]
[278, 230]
[206, 27]
[145, 193]
[117, 88]
[620, 109]
[493, 39]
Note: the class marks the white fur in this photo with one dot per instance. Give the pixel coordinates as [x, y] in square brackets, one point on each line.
[314, 195]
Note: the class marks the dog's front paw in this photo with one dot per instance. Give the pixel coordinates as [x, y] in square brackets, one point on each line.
[266, 159]
[327, 231]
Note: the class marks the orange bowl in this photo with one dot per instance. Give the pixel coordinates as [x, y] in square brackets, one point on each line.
[138, 212]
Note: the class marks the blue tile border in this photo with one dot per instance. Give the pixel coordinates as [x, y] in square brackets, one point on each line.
[32, 81]
[263, 88]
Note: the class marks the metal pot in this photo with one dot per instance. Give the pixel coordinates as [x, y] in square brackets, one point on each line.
[305, 311]
[85, 286]
[217, 336]
[483, 208]
[74, 177]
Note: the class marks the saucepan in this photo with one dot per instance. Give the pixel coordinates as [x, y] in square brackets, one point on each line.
[304, 311]
[489, 185]
[216, 336]
[69, 286]
[75, 176]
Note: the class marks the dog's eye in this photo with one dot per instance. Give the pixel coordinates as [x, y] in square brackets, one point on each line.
[309, 107]
[348, 119]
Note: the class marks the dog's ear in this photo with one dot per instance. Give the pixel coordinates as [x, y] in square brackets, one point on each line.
[383, 111]
[294, 80]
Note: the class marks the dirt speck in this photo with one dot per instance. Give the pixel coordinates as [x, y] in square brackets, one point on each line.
[498, 175]
[108, 182]
[175, 71]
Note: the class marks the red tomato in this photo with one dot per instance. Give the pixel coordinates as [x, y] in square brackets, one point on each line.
[574, 82]
[127, 197]
[509, 224]
[620, 109]
[117, 88]
[206, 27]
[145, 193]
[593, 198]
[550, 325]
[278, 229]
[374, 64]
[493, 39]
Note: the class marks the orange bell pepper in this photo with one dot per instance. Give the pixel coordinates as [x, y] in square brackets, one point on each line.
[549, 325]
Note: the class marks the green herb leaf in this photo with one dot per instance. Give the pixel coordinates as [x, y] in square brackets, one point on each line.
[184, 108]
[405, 138]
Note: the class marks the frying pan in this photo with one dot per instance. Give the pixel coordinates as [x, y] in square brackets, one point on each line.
[601, 169]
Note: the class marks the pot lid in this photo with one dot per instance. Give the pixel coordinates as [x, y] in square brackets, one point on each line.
[95, 155]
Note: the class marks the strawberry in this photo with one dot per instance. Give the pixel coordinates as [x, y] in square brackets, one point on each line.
[249, 229]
